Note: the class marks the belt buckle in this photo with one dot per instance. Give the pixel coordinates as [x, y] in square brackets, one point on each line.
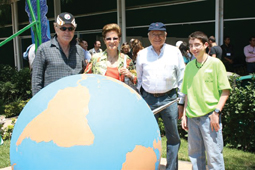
[157, 95]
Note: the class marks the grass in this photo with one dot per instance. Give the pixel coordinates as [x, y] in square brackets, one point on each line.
[5, 154]
[234, 159]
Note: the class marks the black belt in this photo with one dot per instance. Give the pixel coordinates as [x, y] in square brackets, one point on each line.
[158, 94]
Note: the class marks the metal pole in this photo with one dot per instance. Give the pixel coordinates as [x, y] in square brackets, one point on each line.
[119, 17]
[18, 44]
[57, 8]
[221, 21]
[217, 21]
[16, 48]
[14, 40]
[155, 111]
[118, 12]
[123, 21]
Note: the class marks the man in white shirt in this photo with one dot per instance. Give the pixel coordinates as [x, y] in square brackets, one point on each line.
[160, 68]
[96, 49]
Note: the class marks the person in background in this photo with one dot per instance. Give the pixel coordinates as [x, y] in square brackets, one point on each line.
[207, 88]
[215, 50]
[227, 54]
[178, 43]
[111, 62]
[137, 46]
[29, 55]
[96, 49]
[186, 54]
[59, 57]
[84, 45]
[125, 49]
[249, 52]
[160, 70]
[131, 44]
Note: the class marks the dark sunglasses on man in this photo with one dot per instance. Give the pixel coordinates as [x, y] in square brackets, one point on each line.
[66, 28]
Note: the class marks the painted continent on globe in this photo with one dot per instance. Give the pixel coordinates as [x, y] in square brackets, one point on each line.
[86, 122]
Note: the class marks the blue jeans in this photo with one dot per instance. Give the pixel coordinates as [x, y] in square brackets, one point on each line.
[202, 139]
[169, 117]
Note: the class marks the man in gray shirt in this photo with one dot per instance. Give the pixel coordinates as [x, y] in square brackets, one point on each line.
[59, 57]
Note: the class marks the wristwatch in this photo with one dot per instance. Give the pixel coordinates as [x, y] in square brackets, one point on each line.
[217, 111]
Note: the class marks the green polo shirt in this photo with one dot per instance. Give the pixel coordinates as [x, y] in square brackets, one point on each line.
[204, 86]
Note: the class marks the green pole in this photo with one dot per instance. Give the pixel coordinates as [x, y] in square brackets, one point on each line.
[17, 33]
[37, 27]
[39, 21]
[31, 10]
[35, 24]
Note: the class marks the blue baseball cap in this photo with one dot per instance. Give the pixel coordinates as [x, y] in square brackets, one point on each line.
[158, 26]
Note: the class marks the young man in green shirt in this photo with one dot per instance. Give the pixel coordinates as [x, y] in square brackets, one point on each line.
[207, 89]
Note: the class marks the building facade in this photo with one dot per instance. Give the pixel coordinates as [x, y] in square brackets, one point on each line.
[181, 17]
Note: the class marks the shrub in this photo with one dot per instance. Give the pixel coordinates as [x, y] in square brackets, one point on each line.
[8, 91]
[6, 72]
[239, 116]
[14, 108]
[6, 133]
[22, 81]
[161, 127]
[1, 107]
[14, 84]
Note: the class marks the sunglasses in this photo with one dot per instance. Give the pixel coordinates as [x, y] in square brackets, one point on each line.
[66, 28]
[114, 39]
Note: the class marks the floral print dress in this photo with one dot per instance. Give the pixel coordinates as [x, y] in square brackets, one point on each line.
[98, 65]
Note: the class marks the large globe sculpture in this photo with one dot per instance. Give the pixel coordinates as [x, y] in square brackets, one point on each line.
[86, 122]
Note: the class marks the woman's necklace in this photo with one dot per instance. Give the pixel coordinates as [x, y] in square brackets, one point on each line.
[201, 63]
[112, 60]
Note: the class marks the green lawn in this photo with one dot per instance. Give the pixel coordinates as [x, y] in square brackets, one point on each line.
[234, 159]
[4, 154]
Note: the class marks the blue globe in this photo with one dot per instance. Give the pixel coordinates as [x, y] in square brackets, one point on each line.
[86, 122]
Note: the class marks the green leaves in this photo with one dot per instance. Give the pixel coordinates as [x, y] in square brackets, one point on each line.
[15, 87]
[239, 116]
